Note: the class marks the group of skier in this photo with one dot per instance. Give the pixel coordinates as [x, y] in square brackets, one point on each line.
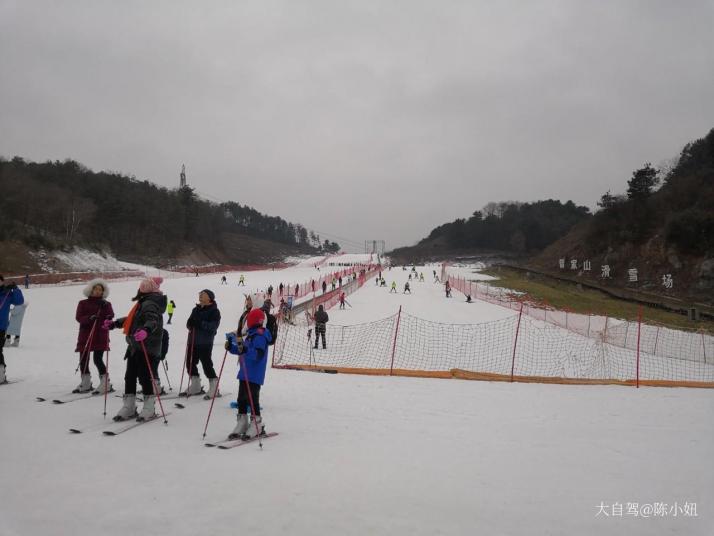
[147, 344]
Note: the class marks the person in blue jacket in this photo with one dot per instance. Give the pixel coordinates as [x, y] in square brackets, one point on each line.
[253, 354]
[9, 295]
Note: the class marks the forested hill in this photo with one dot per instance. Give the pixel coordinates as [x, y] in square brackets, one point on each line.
[507, 227]
[63, 204]
[662, 226]
[658, 236]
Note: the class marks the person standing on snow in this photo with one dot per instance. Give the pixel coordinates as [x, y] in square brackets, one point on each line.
[14, 327]
[407, 288]
[204, 321]
[324, 287]
[224, 280]
[241, 281]
[321, 319]
[342, 300]
[280, 289]
[9, 295]
[170, 310]
[92, 337]
[143, 329]
[394, 287]
[253, 358]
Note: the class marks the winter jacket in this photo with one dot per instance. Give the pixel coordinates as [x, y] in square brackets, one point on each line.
[9, 295]
[149, 316]
[170, 308]
[321, 317]
[16, 315]
[254, 356]
[100, 308]
[204, 322]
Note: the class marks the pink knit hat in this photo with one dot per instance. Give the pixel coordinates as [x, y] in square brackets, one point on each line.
[150, 284]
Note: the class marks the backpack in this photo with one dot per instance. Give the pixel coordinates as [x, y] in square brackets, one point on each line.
[272, 327]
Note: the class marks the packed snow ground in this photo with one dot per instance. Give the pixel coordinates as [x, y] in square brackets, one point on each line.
[355, 454]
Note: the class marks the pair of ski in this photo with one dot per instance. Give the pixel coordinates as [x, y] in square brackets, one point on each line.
[232, 443]
[10, 382]
[72, 397]
[123, 426]
[205, 397]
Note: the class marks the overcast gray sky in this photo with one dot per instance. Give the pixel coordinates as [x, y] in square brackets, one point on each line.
[364, 119]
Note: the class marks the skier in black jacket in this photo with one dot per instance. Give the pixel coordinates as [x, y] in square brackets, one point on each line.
[204, 321]
[321, 320]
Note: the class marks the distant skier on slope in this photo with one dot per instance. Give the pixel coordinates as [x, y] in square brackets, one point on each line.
[170, 308]
[241, 280]
[321, 319]
[394, 287]
[407, 288]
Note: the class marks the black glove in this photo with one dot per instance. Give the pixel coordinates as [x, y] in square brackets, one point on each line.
[92, 318]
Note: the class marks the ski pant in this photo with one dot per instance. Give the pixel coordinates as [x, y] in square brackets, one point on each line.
[244, 399]
[202, 353]
[2, 343]
[136, 369]
[320, 329]
[98, 362]
[170, 315]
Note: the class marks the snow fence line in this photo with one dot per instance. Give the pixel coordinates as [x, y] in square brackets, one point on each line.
[515, 349]
[459, 374]
[650, 338]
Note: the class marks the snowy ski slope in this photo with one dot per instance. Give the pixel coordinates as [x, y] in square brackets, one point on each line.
[355, 455]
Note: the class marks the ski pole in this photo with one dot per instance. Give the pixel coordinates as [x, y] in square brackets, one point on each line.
[153, 382]
[190, 365]
[218, 383]
[106, 385]
[185, 359]
[86, 346]
[166, 371]
[250, 399]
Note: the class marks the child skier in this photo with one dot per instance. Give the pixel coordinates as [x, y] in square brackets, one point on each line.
[241, 281]
[342, 300]
[394, 287]
[204, 321]
[252, 352]
[9, 295]
[406, 288]
[91, 314]
[143, 329]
